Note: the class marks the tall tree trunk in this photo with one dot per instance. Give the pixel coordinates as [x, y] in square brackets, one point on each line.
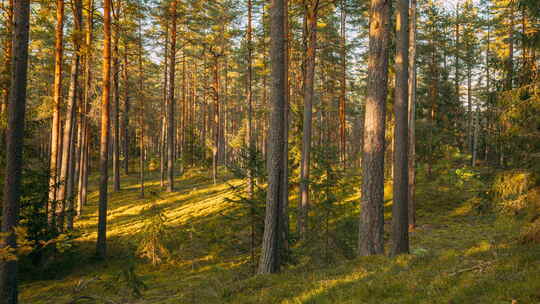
[371, 228]
[412, 116]
[101, 246]
[343, 87]
[216, 120]
[170, 101]
[311, 15]
[285, 173]
[83, 172]
[57, 99]
[250, 138]
[141, 114]
[400, 223]
[125, 112]
[71, 116]
[116, 100]
[270, 252]
[14, 148]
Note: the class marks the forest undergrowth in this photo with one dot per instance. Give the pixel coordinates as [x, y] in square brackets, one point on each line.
[192, 246]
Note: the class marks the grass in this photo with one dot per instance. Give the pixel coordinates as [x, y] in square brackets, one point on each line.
[458, 255]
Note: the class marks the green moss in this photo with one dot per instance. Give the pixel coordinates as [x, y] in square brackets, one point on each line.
[457, 256]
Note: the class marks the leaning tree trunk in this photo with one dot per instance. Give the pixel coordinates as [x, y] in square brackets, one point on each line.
[270, 251]
[101, 246]
[400, 216]
[371, 227]
[14, 149]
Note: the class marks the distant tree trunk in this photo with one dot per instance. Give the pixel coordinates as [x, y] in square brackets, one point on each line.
[311, 11]
[216, 120]
[250, 138]
[57, 100]
[116, 100]
[412, 116]
[285, 178]
[170, 102]
[141, 114]
[14, 148]
[400, 223]
[101, 246]
[475, 136]
[83, 172]
[71, 115]
[343, 87]
[371, 228]
[125, 112]
[270, 252]
[469, 109]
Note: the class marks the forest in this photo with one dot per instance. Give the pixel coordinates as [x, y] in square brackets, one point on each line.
[278, 151]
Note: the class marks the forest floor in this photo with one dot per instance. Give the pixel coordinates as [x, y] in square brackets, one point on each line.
[458, 254]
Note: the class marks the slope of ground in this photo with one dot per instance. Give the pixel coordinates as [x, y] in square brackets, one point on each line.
[458, 255]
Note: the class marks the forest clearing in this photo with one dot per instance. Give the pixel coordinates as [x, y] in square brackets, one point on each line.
[458, 255]
[269, 151]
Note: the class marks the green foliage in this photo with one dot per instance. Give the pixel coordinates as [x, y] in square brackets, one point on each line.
[153, 237]
[510, 190]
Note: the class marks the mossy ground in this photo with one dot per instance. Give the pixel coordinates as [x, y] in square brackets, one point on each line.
[458, 255]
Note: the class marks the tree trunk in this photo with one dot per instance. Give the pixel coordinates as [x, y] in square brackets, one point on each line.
[141, 115]
[83, 172]
[57, 99]
[6, 75]
[400, 224]
[125, 112]
[101, 246]
[343, 87]
[71, 116]
[116, 101]
[371, 228]
[285, 178]
[270, 251]
[170, 103]
[14, 148]
[311, 16]
[412, 116]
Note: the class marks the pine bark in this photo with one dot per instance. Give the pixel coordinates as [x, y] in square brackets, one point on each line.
[101, 246]
[412, 116]
[400, 224]
[171, 101]
[371, 228]
[311, 16]
[270, 253]
[57, 99]
[14, 148]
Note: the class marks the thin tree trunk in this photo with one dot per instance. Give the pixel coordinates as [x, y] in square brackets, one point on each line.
[116, 100]
[343, 87]
[285, 178]
[101, 246]
[71, 116]
[125, 112]
[400, 224]
[170, 103]
[270, 252]
[83, 173]
[57, 100]
[141, 115]
[412, 116]
[371, 227]
[311, 14]
[14, 148]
